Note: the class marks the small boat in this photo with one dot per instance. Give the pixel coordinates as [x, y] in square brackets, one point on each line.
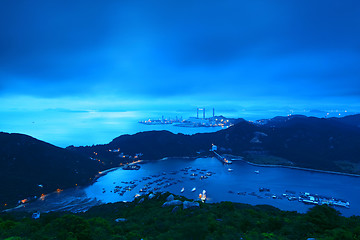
[257, 171]
[194, 189]
[230, 169]
[202, 196]
[182, 190]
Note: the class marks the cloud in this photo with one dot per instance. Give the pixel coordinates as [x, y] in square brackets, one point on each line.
[225, 51]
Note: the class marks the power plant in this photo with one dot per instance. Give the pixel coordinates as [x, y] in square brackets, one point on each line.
[203, 110]
[191, 122]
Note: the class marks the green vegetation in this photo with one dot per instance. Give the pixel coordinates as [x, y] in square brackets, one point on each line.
[149, 220]
[267, 160]
[348, 167]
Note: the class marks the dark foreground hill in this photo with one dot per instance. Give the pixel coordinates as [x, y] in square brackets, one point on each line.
[29, 167]
[326, 144]
[146, 218]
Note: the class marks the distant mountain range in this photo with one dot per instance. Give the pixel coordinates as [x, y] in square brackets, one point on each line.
[318, 143]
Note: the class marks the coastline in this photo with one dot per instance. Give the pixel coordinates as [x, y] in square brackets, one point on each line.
[237, 158]
[293, 167]
[69, 199]
[167, 158]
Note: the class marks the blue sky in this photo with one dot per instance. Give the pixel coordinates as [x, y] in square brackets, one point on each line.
[161, 55]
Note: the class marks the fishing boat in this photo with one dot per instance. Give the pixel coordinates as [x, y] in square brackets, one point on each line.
[194, 189]
[182, 190]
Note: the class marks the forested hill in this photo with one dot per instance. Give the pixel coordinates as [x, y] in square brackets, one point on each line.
[30, 167]
[147, 218]
[319, 143]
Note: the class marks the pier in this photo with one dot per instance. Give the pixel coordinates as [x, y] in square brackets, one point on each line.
[218, 156]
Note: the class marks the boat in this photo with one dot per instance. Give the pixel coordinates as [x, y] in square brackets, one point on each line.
[230, 169]
[262, 189]
[202, 196]
[194, 189]
[132, 167]
[182, 190]
[257, 171]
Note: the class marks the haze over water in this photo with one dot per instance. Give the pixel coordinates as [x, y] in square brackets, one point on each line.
[64, 127]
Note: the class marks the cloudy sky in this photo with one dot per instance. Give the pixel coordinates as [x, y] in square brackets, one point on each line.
[152, 55]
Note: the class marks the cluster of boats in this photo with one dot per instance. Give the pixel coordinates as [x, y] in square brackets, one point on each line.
[322, 200]
[159, 182]
[200, 173]
[132, 167]
[305, 197]
[151, 186]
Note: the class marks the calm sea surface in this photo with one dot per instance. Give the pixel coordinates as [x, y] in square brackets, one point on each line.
[239, 185]
[225, 185]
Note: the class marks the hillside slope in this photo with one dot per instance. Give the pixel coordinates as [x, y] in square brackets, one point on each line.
[326, 144]
[26, 163]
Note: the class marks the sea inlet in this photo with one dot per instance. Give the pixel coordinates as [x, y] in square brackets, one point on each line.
[238, 182]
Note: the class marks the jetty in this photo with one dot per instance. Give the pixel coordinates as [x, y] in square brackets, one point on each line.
[218, 156]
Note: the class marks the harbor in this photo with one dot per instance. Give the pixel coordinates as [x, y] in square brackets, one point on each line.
[245, 183]
[280, 187]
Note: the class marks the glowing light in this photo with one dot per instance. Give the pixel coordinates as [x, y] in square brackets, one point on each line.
[42, 197]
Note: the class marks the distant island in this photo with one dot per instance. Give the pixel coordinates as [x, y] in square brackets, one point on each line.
[194, 122]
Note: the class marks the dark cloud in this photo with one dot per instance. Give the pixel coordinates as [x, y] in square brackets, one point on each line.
[227, 50]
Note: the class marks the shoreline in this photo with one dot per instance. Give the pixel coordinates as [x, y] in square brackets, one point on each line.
[88, 203]
[239, 158]
[298, 168]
